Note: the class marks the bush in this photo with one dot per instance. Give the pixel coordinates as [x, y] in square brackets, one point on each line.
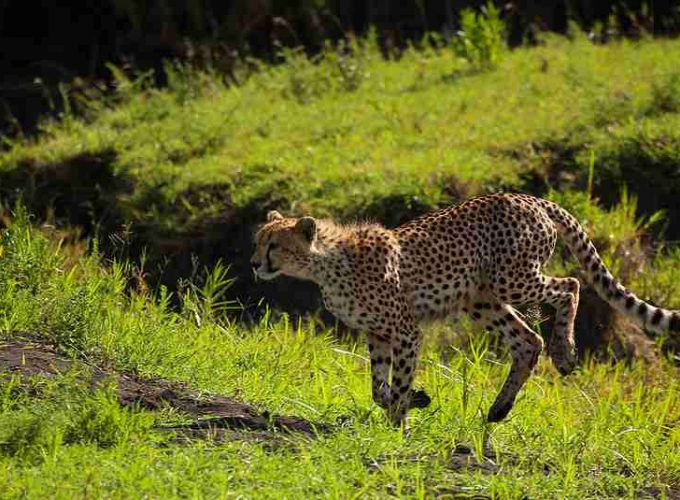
[338, 68]
[480, 40]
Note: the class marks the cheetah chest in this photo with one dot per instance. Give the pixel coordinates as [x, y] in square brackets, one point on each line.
[340, 302]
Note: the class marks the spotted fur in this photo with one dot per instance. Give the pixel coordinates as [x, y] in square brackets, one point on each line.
[482, 257]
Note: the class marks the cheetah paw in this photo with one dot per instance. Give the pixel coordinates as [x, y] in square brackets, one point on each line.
[420, 399]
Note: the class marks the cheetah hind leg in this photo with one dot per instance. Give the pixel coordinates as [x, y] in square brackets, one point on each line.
[562, 294]
[525, 346]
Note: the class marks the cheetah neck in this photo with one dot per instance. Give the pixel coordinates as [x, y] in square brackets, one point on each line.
[332, 250]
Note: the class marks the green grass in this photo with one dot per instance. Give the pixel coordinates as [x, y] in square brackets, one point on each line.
[319, 137]
[348, 136]
[606, 431]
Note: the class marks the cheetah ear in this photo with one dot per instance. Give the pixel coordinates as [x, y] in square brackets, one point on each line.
[273, 215]
[306, 226]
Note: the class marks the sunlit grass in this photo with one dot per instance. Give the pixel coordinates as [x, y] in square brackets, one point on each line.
[427, 126]
[426, 129]
[607, 430]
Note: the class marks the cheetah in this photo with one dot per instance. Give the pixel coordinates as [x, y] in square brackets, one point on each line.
[482, 258]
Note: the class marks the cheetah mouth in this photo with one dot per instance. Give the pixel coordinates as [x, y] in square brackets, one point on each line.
[267, 275]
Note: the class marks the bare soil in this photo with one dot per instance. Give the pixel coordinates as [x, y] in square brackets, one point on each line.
[211, 415]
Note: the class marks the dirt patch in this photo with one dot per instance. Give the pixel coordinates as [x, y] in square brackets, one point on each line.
[463, 459]
[668, 492]
[213, 416]
[29, 359]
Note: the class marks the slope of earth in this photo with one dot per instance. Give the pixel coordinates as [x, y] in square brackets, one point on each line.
[190, 169]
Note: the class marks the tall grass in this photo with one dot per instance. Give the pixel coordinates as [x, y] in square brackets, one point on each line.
[605, 431]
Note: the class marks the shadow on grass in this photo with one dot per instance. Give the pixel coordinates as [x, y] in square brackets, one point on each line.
[83, 191]
[176, 237]
[649, 166]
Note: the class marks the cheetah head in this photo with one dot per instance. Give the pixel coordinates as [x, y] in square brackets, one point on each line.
[284, 246]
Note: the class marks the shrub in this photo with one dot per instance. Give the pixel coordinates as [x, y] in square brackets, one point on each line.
[338, 68]
[480, 40]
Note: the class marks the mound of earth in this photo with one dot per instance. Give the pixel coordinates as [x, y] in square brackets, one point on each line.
[214, 416]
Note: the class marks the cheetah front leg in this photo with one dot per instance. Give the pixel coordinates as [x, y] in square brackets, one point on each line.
[525, 346]
[405, 351]
[381, 361]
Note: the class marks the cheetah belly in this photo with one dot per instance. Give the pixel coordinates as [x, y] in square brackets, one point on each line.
[435, 304]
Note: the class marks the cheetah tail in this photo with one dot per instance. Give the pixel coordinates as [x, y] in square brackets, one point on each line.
[609, 288]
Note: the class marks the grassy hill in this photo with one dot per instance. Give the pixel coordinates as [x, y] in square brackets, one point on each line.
[340, 136]
[193, 166]
[189, 169]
